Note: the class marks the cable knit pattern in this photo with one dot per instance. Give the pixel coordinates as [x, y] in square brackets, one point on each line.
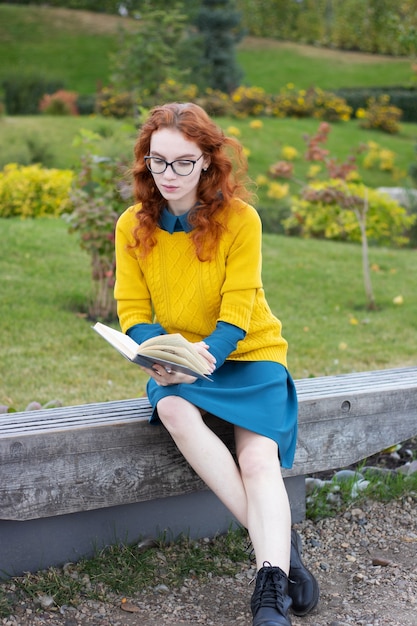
[172, 287]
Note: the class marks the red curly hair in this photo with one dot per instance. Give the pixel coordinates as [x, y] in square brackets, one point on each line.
[216, 187]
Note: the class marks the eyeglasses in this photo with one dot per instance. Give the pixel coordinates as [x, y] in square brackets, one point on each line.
[181, 167]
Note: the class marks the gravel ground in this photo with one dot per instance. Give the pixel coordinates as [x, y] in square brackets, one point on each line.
[365, 561]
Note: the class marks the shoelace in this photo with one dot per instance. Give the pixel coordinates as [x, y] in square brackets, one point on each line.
[269, 591]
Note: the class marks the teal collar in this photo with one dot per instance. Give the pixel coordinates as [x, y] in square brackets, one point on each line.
[174, 223]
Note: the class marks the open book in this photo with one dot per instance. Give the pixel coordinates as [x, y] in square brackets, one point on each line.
[171, 351]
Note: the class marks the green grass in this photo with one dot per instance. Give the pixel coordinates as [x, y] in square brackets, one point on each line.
[59, 44]
[265, 146]
[49, 139]
[315, 287]
[48, 348]
[74, 46]
[335, 495]
[273, 64]
[128, 569]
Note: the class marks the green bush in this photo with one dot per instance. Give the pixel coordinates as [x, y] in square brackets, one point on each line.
[86, 104]
[31, 191]
[402, 97]
[99, 194]
[242, 102]
[250, 101]
[314, 102]
[326, 210]
[376, 26]
[111, 103]
[22, 94]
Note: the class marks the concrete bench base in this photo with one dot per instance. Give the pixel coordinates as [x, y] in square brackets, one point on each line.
[52, 541]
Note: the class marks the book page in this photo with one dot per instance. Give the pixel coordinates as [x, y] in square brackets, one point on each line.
[172, 351]
[123, 343]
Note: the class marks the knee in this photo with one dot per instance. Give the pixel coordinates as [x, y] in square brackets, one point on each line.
[173, 415]
[256, 461]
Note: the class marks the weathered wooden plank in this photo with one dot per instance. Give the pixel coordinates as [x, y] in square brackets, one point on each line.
[336, 432]
[100, 455]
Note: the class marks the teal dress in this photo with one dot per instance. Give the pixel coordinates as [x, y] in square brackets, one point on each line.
[259, 396]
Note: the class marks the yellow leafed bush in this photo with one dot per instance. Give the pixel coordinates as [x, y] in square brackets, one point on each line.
[327, 210]
[33, 191]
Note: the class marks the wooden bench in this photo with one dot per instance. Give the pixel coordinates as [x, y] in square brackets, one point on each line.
[77, 477]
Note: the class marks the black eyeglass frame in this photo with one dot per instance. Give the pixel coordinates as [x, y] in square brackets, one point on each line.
[193, 162]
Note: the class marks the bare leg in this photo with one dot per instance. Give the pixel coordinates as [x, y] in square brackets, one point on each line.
[205, 452]
[255, 494]
[269, 516]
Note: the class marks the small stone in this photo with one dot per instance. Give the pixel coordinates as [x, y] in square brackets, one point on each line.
[408, 468]
[357, 513]
[46, 602]
[359, 486]
[344, 475]
[377, 561]
[313, 484]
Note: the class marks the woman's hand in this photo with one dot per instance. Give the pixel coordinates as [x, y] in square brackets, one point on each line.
[164, 376]
[203, 350]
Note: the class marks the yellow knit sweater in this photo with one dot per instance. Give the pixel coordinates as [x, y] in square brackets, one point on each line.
[171, 286]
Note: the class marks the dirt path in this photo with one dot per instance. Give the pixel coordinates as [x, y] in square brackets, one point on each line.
[364, 559]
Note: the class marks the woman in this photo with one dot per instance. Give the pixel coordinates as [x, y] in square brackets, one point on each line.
[188, 259]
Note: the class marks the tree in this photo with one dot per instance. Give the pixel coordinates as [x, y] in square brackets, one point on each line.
[149, 56]
[323, 207]
[218, 23]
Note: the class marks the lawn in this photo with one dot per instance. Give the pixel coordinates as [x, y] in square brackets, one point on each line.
[272, 64]
[50, 139]
[49, 350]
[74, 46]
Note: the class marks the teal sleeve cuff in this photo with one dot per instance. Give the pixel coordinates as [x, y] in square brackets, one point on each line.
[223, 341]
[142, 332]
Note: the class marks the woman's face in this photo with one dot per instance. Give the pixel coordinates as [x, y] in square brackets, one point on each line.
[180, 192]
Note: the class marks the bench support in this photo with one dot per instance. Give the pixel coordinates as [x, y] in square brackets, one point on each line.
[40, 543]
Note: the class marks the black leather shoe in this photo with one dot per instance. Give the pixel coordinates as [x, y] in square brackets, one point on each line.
[270, 601]
[303, 588]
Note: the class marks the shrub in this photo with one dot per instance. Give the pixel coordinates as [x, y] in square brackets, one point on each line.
[31, 191]
[250, 101]
[380, 115]
[97, 199]
[242, 102]
[215, 102]
[402, 97]
[86, 104]
[314, 102]
[22, 93]
[59, 103]
[111, 103]
[325, 209]
[170, 90]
